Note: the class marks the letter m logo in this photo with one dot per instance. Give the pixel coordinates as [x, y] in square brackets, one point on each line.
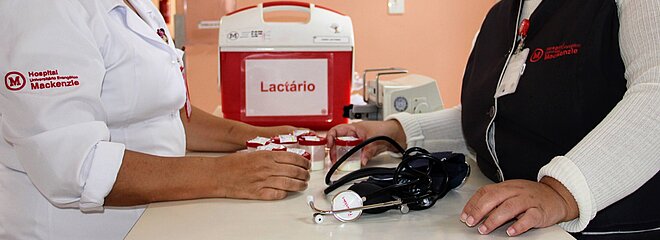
[15, 81]
[232, 35]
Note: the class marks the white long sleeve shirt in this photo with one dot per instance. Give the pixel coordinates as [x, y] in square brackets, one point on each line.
[615, 158]
[84, 80]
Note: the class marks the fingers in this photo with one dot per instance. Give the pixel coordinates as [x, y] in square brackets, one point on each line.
[367, 153]
[330, 136]
[279, 187]
[290, 165]
[363, 130]
[271, 194]
[484, 201]
[533, 217]
[285, 184]
[333, 154]
[371, 150]
[534, 204]
[506, 211]
[291, 171]
[290, 159]
[338, 131]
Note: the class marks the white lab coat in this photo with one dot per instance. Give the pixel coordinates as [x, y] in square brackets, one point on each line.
[84, 80]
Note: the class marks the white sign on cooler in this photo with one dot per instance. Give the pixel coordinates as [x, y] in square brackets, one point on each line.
[286, 87]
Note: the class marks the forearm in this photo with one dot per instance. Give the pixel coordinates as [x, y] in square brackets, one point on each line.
[621, 153]
[146, 178]
[261, 175]
[435, 131]
[205, 132]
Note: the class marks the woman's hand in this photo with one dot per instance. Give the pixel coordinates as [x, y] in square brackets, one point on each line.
[262, 175]
[533, 204]
[365, 130]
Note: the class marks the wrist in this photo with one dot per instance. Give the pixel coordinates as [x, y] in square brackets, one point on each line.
[218, 186]
[570, 205]
[396, 132]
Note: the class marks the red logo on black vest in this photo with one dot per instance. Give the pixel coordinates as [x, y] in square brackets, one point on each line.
[553, 52]
[536, 55]
[15, 81]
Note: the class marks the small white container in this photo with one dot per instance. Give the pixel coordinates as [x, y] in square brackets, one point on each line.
[342, 146]
[272, 147]
[315, 146]
[300, 152]
[288, 141]
[252, 144]
[303, 132]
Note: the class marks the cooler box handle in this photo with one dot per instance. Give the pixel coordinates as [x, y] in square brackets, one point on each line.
[275, 6]
[285, 6]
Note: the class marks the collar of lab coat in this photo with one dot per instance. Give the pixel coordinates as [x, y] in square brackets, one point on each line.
[145, 24]
[146, 12]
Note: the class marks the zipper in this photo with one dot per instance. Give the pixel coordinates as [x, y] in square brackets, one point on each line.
[490, 130]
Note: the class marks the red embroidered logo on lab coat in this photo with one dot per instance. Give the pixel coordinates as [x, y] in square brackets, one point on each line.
[553, 52]
[15, 81]
[40, 80]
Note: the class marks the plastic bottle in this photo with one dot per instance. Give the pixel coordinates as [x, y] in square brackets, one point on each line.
[288, 141]
[315, 146]
[342, 146]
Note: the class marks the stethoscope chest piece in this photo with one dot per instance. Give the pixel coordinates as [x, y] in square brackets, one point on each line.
[348, 206]
[347, 200]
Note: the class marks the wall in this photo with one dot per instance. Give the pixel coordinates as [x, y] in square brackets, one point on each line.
[432, 37]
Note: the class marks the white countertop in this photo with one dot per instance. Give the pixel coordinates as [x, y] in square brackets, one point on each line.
[291, 218]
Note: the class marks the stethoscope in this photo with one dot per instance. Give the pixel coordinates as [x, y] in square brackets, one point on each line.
[348, 205]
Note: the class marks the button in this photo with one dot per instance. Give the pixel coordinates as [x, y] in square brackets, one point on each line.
[422, 108]
[491, 112]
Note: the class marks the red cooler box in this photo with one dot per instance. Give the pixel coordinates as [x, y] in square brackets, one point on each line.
[293, 73]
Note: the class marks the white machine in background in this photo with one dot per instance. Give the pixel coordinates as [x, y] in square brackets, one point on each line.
[412, 93]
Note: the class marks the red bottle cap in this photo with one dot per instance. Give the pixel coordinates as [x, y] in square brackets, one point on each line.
[279, 149]
[307, 156]
[300, 152]
[284, 139]
[303, 132]
[272, 147]
[347, 141]
[256, 142]
[312, 141]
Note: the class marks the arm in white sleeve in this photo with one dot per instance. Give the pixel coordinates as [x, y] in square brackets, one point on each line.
[434, 131]
[57, 131]
[621, 153]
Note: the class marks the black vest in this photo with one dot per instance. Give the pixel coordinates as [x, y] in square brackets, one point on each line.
[573, 78]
